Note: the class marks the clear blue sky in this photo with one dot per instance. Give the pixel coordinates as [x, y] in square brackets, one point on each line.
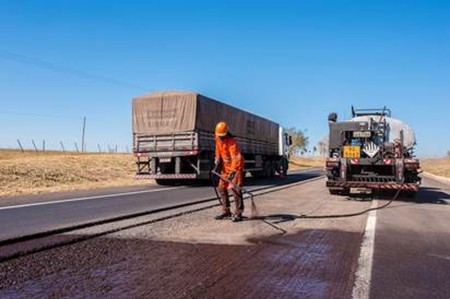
[290, 61]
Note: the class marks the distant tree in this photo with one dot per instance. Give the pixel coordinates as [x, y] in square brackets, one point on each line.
[314, 150]
[448, 153]
[299, 140]
[323, 146]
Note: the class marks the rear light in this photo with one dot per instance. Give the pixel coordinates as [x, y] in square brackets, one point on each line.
[388, 161]
[190, 153]
[412, 164]
[332, 163]
[354, 161]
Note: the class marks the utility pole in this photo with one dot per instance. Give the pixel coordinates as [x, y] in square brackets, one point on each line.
[83, 135]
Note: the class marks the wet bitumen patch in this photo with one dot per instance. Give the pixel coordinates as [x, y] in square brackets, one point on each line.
[195, 256]
[310, 263]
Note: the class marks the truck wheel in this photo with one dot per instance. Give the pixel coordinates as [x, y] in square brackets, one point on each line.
[343, 191]
[165, 182]
[334, 191]
[270, 170]
[409, 194]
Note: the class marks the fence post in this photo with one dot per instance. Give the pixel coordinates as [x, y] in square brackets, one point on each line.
[83, 146]
[34, 145]
[62, 146]
[20, 145]
[76, 147]
[43, 146]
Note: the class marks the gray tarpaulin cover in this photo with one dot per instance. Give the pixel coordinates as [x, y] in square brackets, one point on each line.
[174, 111]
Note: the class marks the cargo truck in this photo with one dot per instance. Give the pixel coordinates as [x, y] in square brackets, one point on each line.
[173, 137]
[372, 151]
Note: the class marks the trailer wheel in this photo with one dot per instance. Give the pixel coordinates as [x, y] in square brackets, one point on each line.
[343, 191]
[334, 191]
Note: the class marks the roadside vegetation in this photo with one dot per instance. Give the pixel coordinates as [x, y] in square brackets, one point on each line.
[31, 172]
[296, 163]
[437, 166]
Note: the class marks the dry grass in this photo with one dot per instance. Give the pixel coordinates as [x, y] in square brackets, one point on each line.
[31, 173]
[437, 166]
[306, 162]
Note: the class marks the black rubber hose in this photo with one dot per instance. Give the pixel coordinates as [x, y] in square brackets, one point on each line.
[289, 217]
[214, 184]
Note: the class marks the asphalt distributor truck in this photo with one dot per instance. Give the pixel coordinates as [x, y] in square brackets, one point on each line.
[373, 151]
[173, 137]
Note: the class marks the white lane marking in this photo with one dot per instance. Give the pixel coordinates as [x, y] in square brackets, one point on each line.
[87, 198]
[361, 289]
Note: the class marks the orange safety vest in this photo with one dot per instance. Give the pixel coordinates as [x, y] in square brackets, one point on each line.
[228, 150]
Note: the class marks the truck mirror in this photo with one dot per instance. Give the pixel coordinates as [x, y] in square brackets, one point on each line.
[332, 117]
[290, 140]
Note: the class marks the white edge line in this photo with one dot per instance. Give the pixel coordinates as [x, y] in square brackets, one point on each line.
[361, 288]
[87, 198]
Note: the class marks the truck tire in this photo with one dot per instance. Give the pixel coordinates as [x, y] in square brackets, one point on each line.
[334, 191]
[165, 182]
[409, 194]
[343, 191]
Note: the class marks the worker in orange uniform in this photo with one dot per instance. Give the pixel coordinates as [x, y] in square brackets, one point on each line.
[229, 157]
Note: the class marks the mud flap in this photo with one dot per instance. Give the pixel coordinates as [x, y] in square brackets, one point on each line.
[399, 171]
[343, 170]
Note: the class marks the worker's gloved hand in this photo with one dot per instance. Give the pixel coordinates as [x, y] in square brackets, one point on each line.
[216, 165]
[231, 175]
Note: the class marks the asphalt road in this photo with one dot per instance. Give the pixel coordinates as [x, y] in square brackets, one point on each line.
[24, 216]
[412, 246]
[195, 256]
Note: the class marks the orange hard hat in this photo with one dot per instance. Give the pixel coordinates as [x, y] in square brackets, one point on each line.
[221, 129]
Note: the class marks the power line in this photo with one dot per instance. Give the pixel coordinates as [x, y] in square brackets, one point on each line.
[63, 69]
[39, 115]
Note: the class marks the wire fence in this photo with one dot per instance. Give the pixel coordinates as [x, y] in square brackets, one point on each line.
[74, 147]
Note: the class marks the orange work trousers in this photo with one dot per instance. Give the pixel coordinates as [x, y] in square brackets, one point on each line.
[224, 188]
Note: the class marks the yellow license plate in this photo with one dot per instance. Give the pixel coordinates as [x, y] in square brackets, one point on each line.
[351, 151]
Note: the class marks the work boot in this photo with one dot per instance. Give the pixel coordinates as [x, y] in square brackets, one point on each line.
[236, 217]
[223, 216]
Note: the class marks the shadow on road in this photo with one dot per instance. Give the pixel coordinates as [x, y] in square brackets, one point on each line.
[432, 195]
[425, 195]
